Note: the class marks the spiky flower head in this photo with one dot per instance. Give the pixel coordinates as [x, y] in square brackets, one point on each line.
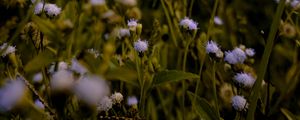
[105, 104]
[7, 49]
[141, 45]
[132, 24]
[38, 8]
[123, 32]
[239, 103]
[188, 24]
[117, 97]
[244, 79]
[235, 56]
[52, 9]
[250, 52]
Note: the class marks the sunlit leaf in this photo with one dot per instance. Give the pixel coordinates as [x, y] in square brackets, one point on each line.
[288, 114]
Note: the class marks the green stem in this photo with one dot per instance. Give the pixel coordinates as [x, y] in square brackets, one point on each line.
[215, 89]
[265, 60]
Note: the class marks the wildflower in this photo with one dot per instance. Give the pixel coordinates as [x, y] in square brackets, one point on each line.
[226, 92]
[91, 89]
[94, 52]
[62, 65]
[244, 79]
[105, 104]
[239, 103]
[6, 49]
[288, 30]
[235, 56]
[77, 67]
[188, 24]
[132, 24]
[52, 9]
[38, 77]
[218, 20]
[38, 8]
[11, 94]
[116, 97]
[123, 32]
[132, 100]
[141, 46]
[129, 3]
[295, 3]
[212, 47]
[62, 80]
[39, 104]
[250, 52]
[97, 2]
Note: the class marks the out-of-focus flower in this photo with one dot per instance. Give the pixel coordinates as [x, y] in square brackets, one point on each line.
[105, 104]
[239, 103]
[7, 49]
[288, 30]
[97, 2]
[62, 80]
[235, 56]
[141, 46]
[117, 97]
[38, 77]
[91, 89]
[132, 24]
[11, 94]
[94, 52]
[123, 32]
[212, 47]
[132, 100]
[52, 9]
[218, 20]
[226, 93]
[188, 24]
[244, 79]
[39, 104]
[250, 52]
[77, 67]
[108, 14]
[38, 8]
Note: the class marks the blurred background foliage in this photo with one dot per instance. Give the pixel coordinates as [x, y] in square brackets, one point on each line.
[40, 41]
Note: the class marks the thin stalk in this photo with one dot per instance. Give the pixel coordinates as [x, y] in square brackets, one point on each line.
[215, 89]
[265, 60]
[191, 7]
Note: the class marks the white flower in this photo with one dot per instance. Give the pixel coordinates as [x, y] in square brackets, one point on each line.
[105, 104]
[188, 24]
[244, 79]
[91, 89]
[77, 67]
[212, 47]
[11, 94]
[6, 49]
[218, 20]
[235, 56]
[116, 97]
[239, 103]
[132, 100]
[62, 80]
[132, 24]
[38, 8]
[62, 65]
[52, 9]
[123, 32]
[38, 77]
[97, 2]
[295, 3]
[39, 104]
[127, 2]
[250, 52]
[141, 46]
[94, 52]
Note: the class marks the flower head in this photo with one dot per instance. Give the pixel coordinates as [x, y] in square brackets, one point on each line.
[235, 56]
[38, 77]
[123, 32]
[62, 80]
[132, 100]
[250, 52]
[218, 20]
[245, 79]
[6, 49]
[39, 104]
[212, 47]
[132, 24]
[52, 9]
[141, 46]
[91, 89]
[239, 103]
[117, 97]
[105, 104]
[188, 24]
[77, 67]
[97, 2]
[38, 8]
[11, 94]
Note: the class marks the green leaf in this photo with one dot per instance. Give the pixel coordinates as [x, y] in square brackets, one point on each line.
[288, 114]
[47, 27]
[202, 107]
[167, 76]
[39, 61]
[123, 74]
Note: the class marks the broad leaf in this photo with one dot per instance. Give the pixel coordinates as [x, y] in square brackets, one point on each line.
[39, 61]
[167, 76]
[202, 107]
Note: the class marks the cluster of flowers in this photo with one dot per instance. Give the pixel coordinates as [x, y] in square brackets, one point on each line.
[50, 9]
[234, 57]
